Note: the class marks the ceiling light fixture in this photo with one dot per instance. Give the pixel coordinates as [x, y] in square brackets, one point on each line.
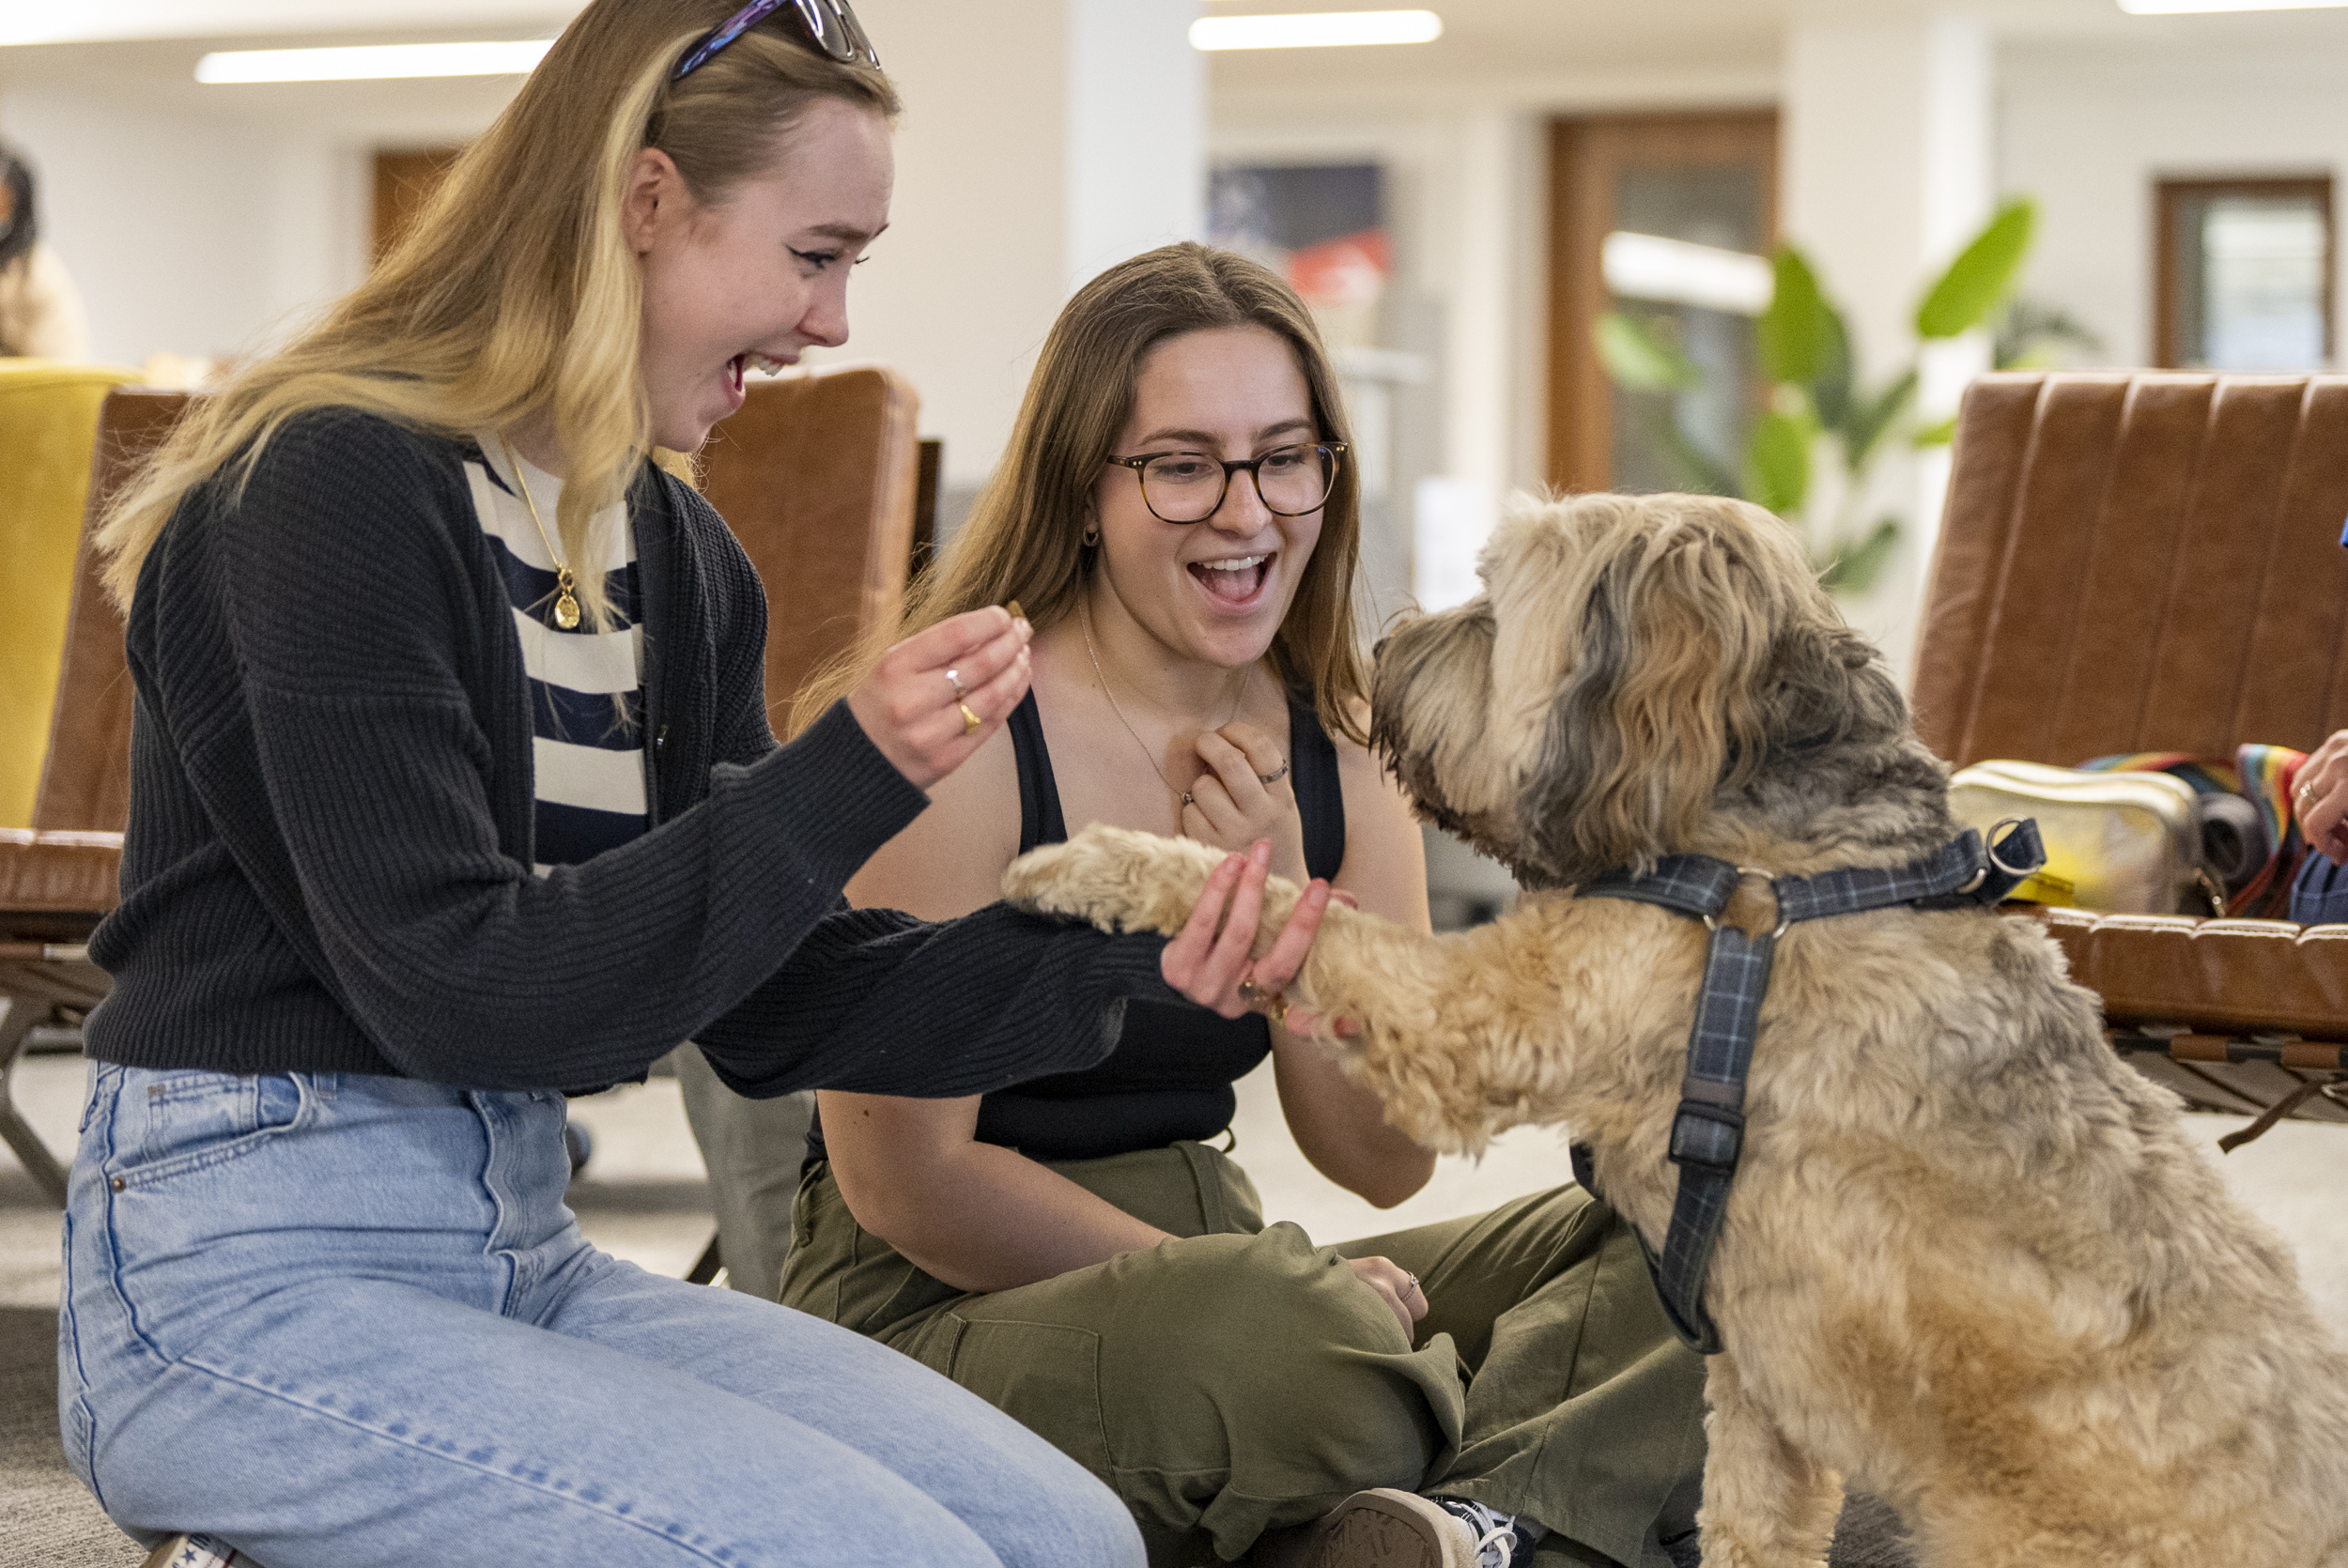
[2180, 7]
[1315, 30]
[372, 63]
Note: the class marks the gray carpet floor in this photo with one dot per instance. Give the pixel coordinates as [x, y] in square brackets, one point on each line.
[51, 1522]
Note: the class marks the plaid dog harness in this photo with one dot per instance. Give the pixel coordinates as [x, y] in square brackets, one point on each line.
[1709, 1129]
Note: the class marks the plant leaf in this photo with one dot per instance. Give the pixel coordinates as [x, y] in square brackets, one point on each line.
[1871, 420]
[1854, 568]
[1936, 435]
[2031, 335]
[1796, 333]
[1638, 358]
[1777, 462]
[1981, 274]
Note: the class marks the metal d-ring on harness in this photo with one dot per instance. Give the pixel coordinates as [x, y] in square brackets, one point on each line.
[1709, 1129]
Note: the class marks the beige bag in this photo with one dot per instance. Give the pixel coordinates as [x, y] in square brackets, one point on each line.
[2124, 843]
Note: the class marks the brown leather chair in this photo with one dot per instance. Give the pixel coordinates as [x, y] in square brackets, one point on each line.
[2152, 562]
[59, 877]
[818, 476]
[824, 480]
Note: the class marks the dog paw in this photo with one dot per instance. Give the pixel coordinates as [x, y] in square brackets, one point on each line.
[1114, 878]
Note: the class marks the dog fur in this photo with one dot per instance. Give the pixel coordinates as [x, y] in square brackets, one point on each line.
[1971, 1262]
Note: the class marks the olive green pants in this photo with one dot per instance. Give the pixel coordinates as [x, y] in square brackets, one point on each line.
[1239, 1379]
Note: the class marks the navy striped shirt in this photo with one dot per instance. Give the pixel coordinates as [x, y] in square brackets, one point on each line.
[586, 687]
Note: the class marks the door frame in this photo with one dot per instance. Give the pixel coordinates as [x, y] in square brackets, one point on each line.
[1588, 154]
[2169, 194]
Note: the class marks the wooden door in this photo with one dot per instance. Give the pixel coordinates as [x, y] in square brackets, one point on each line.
[405, 180]
[1702, 180]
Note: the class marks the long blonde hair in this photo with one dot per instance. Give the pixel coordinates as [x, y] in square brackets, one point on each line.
[516, 290]
[1023, 537]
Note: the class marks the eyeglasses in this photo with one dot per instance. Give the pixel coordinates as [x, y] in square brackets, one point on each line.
[1189, 486]
[831, 26]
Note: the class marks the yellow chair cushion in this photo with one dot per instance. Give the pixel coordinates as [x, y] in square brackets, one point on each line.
[48, 434]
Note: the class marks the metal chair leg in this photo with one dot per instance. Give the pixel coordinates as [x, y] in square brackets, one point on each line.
[16, 1028]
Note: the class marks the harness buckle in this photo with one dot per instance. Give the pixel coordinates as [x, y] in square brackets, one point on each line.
[1709, 1137]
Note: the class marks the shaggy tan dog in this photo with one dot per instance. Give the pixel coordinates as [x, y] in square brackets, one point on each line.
[1971, 1262]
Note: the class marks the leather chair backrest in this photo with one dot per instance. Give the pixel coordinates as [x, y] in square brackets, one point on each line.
[48, 421]
[817, 475]
[85, 779]
[2140, 562]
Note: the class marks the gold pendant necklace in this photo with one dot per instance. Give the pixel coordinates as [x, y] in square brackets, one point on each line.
[565, 602]
[1147, 754]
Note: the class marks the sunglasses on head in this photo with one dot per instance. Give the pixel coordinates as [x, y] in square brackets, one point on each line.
[830, 26]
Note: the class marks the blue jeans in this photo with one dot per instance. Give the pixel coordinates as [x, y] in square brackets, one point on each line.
[340, 1320]
[2320, 897]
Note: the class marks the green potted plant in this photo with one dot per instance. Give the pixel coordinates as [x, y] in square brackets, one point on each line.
[1816, 410]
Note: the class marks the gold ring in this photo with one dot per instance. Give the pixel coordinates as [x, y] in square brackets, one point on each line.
[1416, 1285]
[1270, 1003]
[953, 679]
[969, 721]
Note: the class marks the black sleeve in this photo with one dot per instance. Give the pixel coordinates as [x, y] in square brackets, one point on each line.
[880, 1003]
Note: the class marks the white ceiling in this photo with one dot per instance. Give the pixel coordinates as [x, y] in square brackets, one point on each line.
[147, 49]
[1515, 39]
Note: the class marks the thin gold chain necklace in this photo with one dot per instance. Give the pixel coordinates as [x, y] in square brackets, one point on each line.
[565, 601]
[1146, 754]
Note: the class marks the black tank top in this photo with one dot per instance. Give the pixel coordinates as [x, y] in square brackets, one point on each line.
[1171, 1074]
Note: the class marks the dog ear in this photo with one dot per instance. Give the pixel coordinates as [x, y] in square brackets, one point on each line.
[1661, 696]
[1828, 687]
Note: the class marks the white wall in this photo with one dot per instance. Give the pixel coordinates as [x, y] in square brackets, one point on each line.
[164, 226]
[2089, 134]
[1042, 140]
[1886, 158]
[205, 225]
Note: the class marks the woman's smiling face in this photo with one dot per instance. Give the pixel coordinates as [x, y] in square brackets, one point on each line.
[760, 276]
[1215, 590]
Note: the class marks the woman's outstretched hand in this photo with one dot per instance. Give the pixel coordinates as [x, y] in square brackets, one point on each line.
[1208, 959]
[2320, 799]
[933, 698]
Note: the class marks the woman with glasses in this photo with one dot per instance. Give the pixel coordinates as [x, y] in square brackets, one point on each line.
[453, 792]
[1179, 516]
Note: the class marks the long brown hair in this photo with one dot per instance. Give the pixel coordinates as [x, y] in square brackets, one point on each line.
[1024, 538]
[516, 290]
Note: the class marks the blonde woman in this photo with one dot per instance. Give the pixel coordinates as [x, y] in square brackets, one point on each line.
[1178, 512]
[453, 792]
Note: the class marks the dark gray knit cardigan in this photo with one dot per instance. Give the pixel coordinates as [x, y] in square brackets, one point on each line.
[328, 862]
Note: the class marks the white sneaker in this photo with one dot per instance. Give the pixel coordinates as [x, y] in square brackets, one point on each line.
[1386, 1528]
[195, 1551]
[1497, 1534]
